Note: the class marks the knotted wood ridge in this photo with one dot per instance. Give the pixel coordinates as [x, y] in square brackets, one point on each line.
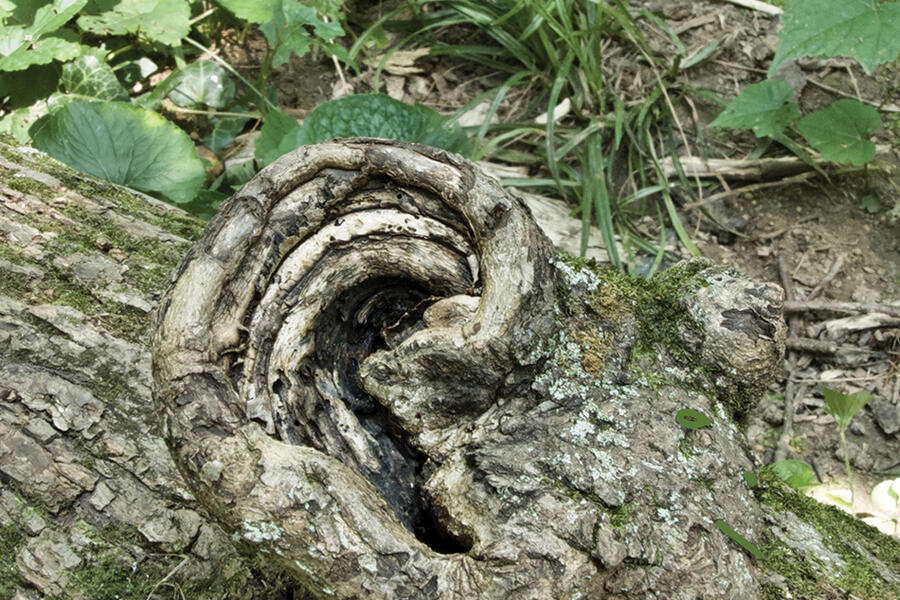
[330, 341]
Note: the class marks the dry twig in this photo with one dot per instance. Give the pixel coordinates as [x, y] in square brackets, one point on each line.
[795, 306]
[790, 389]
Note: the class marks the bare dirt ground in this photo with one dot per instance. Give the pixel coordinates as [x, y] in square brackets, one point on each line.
[831, 249]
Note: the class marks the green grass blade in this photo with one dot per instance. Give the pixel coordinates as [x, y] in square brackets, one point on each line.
[594, 171]
[579, 137]
[550, 140]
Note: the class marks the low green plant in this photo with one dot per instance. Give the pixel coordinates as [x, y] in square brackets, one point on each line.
[840, 132]
[83, 114]
[864, 30]
[843, 407]
[123, 144]
[293, 27]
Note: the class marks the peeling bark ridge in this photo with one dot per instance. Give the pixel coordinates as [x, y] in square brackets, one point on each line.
[373, 370]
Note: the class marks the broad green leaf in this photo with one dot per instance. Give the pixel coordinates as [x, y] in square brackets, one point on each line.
[329, 8]
[205, 204]
[11, 40]
[202, 83]
[42, 52]
[23, 46]
[51, 17]
[762, 107]
[795, 473]
[279, 135]
[866, 30]
[22, 11]
[379, 115]
[255, 11]
[164, 21]
[239, 173]
[843, 407]
[132, 71]
[225, 129]
[91, 77]
[123, 144]
[840, 132]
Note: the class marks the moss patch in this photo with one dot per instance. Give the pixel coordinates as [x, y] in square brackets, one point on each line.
[11, 539]
[622, 516]
[662, 322]
[843, 534]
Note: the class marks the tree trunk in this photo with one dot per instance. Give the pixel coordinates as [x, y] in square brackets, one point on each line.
[377, 380]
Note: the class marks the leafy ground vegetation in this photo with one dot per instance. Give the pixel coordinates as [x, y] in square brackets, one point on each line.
[760, 138]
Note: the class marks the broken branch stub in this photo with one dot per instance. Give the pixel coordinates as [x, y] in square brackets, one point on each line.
[337, 332]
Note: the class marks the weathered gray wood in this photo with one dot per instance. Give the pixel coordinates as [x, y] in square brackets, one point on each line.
[512, 432]
[91, 505]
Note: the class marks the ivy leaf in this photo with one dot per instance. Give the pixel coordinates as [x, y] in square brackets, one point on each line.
[843, 407]
[164, 21]
[225, 129]
[89, 76]
[862, 29]
[361, 115]
[795, 473]
[255, 11]
[202, 83]
[124, 144]
[762, 107]
[840, 132]
[379, 115]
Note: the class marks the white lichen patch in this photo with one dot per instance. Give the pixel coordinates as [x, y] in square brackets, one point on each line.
[576, 278]
[261, 531]
[665, 515]
[565, 359]
[581, 430]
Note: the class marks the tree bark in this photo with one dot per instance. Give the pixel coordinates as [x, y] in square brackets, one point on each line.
[377, 380]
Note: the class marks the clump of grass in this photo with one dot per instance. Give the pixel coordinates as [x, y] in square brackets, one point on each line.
[599, 154]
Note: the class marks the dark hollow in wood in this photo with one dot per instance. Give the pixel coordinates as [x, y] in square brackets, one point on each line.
[340, 270]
